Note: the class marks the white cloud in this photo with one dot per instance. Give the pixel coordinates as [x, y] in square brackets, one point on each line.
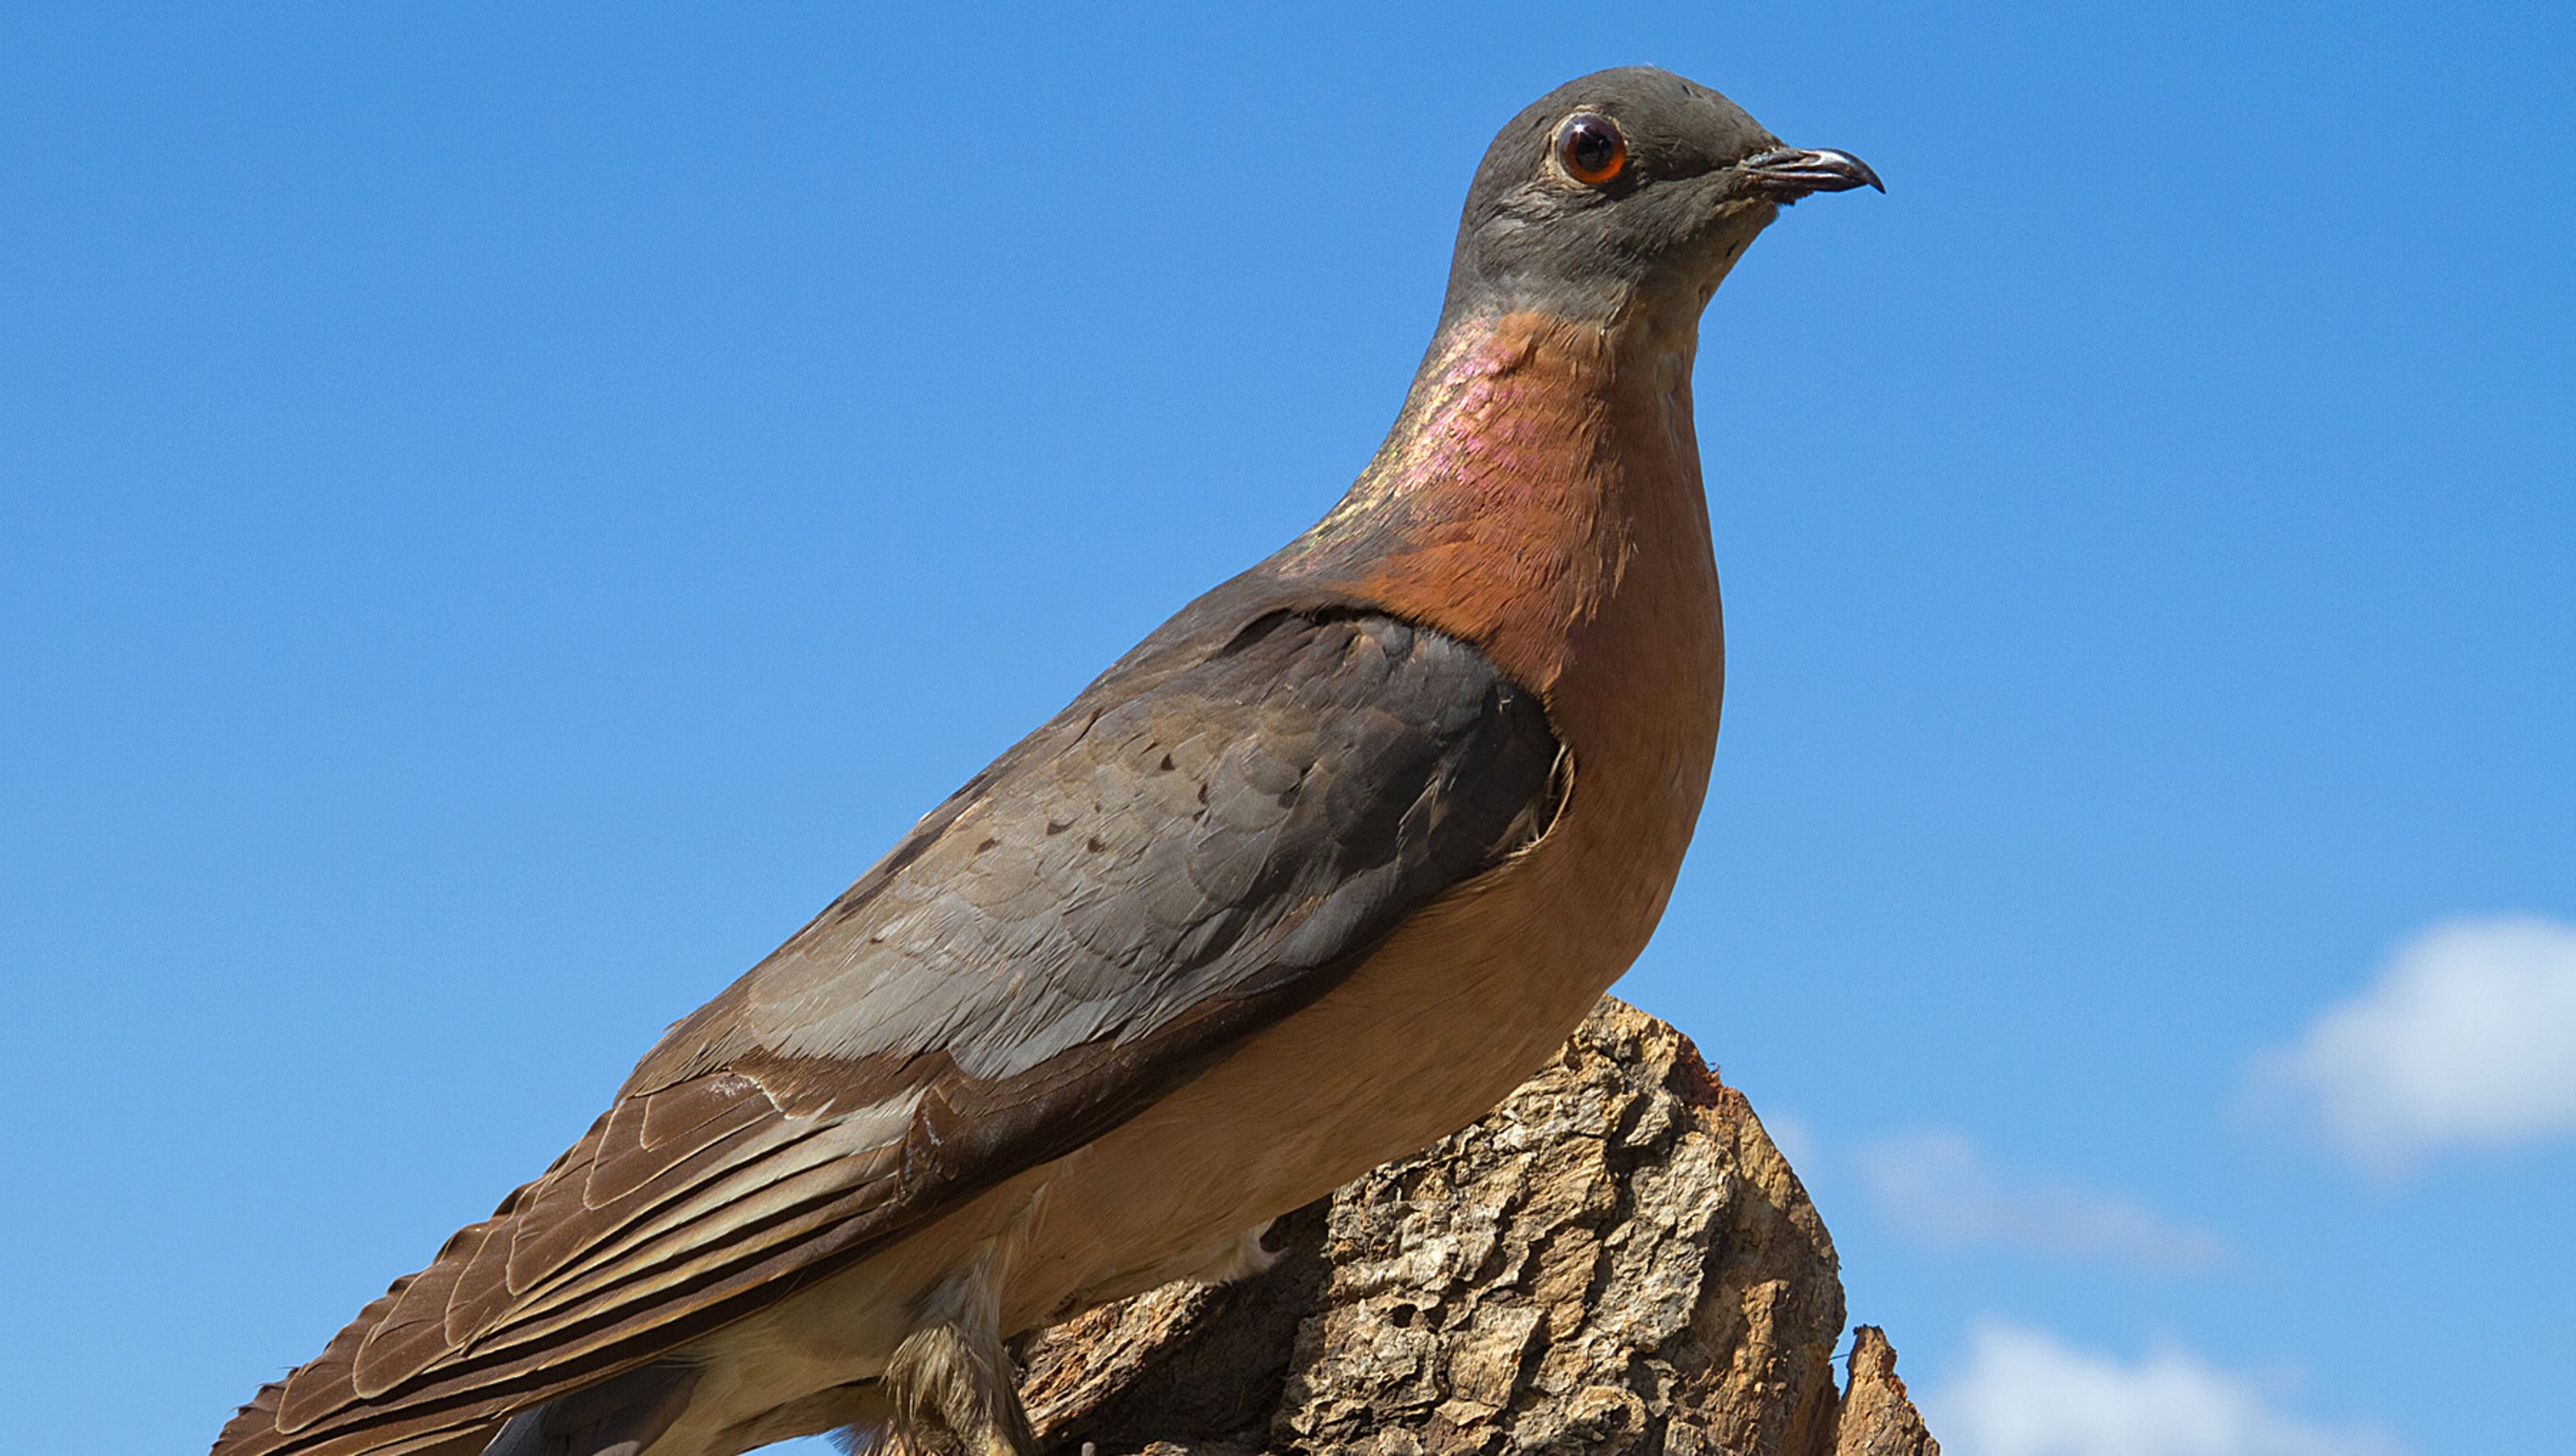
[1938, 1186]
[2026, 1393]
[2467, 1039]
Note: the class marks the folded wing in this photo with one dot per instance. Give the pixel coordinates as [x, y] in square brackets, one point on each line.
[1212, 836]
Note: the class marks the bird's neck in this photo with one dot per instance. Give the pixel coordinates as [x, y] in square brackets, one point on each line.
[1539, 497]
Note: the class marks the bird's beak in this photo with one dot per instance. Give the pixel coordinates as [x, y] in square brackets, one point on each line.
[1793, 173]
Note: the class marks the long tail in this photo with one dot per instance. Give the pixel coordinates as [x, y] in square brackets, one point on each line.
[618, 1417]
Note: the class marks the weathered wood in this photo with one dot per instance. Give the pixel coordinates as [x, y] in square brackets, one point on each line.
[1615, 1261]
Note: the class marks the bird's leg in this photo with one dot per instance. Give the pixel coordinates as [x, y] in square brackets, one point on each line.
[955, 1390]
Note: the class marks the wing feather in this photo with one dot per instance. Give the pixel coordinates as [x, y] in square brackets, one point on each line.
[1208, 838]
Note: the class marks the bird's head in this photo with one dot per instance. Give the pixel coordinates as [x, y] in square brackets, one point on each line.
[1626, 190]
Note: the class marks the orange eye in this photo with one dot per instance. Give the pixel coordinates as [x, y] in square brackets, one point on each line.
[1590, 148]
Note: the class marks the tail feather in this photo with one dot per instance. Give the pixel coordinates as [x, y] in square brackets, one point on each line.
[617, 1417]
[253, 1431]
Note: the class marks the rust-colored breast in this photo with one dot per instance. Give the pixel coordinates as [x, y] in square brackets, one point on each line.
[1543, 500]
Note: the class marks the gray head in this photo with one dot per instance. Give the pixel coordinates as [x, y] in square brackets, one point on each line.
[1627, 188]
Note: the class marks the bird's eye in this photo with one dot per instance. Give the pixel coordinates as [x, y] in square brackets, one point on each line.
[1590, 148]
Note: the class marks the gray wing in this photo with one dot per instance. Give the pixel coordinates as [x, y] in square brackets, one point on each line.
[1212, 836]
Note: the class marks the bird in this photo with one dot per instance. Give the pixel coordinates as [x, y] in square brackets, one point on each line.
[1310, 878]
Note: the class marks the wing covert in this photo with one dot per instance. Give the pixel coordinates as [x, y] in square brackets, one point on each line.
[1211, 836]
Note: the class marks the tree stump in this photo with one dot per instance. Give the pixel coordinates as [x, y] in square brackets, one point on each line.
[1614, 1261]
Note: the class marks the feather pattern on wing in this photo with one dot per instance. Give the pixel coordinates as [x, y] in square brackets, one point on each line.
[1209, 837]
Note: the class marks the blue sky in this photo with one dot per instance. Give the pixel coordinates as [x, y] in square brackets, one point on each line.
[502, 517]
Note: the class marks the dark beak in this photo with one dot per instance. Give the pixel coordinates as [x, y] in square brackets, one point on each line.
[1793, 173]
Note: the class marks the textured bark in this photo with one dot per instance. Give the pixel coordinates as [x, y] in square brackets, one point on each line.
[1615, 1261]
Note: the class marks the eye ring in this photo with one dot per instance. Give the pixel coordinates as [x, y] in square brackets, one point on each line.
[1591, 149]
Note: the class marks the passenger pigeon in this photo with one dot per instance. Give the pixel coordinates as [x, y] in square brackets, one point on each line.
[1310, 878]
